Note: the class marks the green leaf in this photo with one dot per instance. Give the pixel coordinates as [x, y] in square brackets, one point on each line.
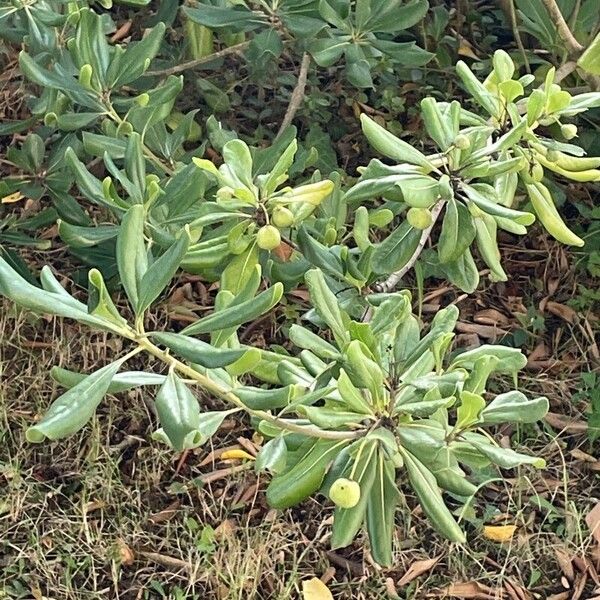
[132, 259]
[515, 407]
[458, 232]
[469, 410]
[85, 237]
[326, 305]
[396, 250]
[306, 339]
[161, 271]
[199, 352]
[305, 476]
[179, 413]
[90, 46]
[272, 456]
[425, 485]
[505, 458]
[393, 16]
[237, 313]
[131, 64]
[99, 301]
[240, 270]
[236, 19]
[463, 272]
[391, 146]
[381, 509]
[347, 521]
[121, 382]
[71, 411]
[53, 301]
[510, 360]
[236, 155]
[590, 60]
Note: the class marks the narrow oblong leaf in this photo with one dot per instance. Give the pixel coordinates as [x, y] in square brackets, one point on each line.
[178, 413]
[71, 411]
[381, 510]
[161, 271]
[132, 259]
[425, 485]
[200, 352]
[236, 314]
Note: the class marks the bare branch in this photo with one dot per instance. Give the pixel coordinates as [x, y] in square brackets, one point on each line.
[191, 64]
[573, 46]
[297, 95]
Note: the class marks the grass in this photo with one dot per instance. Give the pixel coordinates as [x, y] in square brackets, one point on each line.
[110, 514]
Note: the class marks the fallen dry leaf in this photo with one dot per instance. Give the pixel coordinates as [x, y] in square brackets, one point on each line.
[565, 563]
[236, 453]
[567, 423]
[466, 49]
[315, 589]
[125, 553]
[593, 522]
[417, 568]
[499, 533]
[470, 589]
[566, 313]
[12, 198]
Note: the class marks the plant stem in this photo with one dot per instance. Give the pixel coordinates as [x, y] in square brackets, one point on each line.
[390, 283]
[227, 395]
[191, 64]
[573, 46]
[517, 35]
[297, 95]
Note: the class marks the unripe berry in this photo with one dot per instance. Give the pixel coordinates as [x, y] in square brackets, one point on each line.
[282, 217]
[344, 493]
[419, 218]
[568, 131]
[462, 142]
[537, 172]
[225, 193]
[268, 237]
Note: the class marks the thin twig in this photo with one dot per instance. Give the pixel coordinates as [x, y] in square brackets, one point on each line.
[573, 46]
[191, 64]
[516, 33]
[297, 95]
[390, 283]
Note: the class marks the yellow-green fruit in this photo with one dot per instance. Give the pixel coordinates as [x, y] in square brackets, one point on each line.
[537, 172]
[225, 193]
[462, 142]
[268, 237]
[419, 218]
[553, 155]
[283, 217]
[344, 493]
[568, 131]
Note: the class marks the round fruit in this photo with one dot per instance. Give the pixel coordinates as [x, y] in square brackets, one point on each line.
[462, 142]
[344, 493]
[537, 172]
[419, 218]
[268, 237]
[225, 193]
[568, 131]
[283, 217]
